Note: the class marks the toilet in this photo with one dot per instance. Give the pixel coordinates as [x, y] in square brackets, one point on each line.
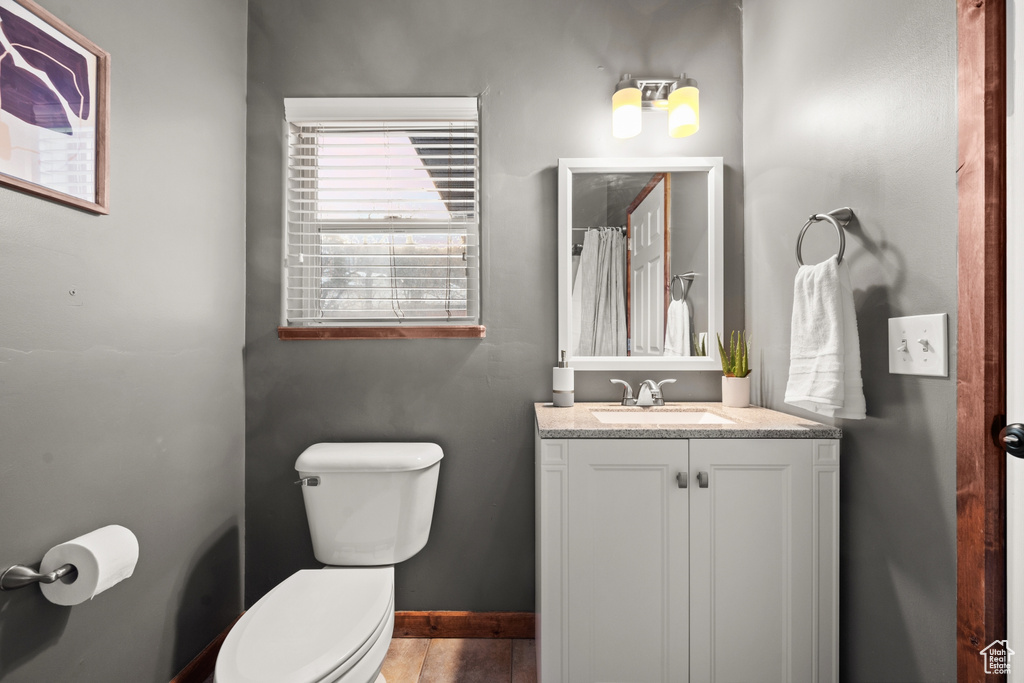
[369, 506]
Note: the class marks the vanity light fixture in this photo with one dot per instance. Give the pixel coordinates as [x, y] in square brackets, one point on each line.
[678, 96]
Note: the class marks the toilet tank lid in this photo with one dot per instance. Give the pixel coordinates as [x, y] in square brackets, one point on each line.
[368, 457]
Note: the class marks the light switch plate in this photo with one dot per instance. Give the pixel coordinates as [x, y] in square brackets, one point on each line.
[918, 345]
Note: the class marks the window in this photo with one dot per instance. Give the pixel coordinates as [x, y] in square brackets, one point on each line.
[382, 225]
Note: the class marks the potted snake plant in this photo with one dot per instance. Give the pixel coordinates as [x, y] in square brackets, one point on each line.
[735, 370]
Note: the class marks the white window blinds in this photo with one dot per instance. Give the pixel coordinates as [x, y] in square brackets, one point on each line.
[382, 203]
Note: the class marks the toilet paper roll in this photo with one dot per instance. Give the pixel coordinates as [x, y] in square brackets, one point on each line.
[103, 558]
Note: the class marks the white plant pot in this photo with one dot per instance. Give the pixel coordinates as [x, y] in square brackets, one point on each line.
[736, 391]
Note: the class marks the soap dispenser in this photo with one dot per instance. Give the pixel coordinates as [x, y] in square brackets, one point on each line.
[563, 384]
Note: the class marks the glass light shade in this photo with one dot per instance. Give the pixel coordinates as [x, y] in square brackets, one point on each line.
[626, 122]
[683, 111]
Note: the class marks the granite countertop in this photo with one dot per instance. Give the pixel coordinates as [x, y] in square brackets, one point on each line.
[578, 422]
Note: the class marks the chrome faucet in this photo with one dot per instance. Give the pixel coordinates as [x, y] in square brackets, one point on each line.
[649, 394]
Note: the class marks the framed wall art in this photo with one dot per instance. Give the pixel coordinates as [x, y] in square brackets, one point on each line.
[54, 108]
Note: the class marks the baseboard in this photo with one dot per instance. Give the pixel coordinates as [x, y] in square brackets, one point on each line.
[407, 625]
[200, 668]
[465, 624]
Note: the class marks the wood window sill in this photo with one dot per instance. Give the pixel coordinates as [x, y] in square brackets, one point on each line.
[389, 332]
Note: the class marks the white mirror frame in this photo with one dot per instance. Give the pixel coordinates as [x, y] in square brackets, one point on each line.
[714, 168]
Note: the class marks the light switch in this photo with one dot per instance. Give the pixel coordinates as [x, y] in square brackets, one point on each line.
[918, 345]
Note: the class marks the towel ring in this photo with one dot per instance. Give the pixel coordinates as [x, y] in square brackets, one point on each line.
[833, 217]
[684, 280]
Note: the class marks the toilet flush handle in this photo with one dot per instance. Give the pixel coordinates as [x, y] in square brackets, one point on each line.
[308, 481]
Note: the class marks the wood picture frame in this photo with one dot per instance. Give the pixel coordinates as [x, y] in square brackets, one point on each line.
[54, 109]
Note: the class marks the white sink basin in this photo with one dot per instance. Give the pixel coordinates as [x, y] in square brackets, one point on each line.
[660, 417]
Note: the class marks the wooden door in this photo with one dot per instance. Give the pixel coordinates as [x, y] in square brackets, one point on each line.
[981, 334]
[1015, 353]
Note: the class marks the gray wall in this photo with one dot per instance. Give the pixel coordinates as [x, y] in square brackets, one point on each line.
[545, 71]
[690, 245]
[589, 204]
[865, 116]
[127, 408]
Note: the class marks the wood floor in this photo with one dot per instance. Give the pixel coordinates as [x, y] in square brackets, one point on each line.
[459, 660]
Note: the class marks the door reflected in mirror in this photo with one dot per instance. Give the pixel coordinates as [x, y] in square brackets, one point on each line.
[640, 242]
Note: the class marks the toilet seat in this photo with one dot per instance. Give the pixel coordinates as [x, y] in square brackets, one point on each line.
[313, 627]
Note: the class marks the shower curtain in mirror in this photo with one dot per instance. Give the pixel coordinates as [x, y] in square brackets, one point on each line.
[598, 297]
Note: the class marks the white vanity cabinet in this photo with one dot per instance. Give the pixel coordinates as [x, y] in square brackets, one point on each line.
[687, 559]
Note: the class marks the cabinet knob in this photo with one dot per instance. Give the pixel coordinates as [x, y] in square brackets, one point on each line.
[681, 479]
[702, 479]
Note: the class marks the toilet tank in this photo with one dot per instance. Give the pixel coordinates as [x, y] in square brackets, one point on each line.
[373, 503]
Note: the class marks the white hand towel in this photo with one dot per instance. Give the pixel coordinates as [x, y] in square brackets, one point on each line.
[677, 329]
[824, 360]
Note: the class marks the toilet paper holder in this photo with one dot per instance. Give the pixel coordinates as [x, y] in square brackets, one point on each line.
[19, 576]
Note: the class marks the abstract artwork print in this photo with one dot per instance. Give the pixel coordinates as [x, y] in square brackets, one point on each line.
[52, 110]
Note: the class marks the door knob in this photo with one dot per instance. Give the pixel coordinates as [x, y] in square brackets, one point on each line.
[1011, 438]
[681, 479]
[702, 479]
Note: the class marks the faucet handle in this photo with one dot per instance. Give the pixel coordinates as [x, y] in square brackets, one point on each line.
[657, 387]
[650, 392]
[627, 391]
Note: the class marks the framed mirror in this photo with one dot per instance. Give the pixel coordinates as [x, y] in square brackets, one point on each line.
[640, 262]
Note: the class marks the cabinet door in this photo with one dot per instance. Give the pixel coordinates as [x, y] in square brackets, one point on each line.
[751, 560]
[628, 571]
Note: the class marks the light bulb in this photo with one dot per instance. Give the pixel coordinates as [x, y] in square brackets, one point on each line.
[684, 109]
[626, 121]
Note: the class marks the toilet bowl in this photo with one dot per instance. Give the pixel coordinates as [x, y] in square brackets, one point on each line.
[369, 506]
[317, 626]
